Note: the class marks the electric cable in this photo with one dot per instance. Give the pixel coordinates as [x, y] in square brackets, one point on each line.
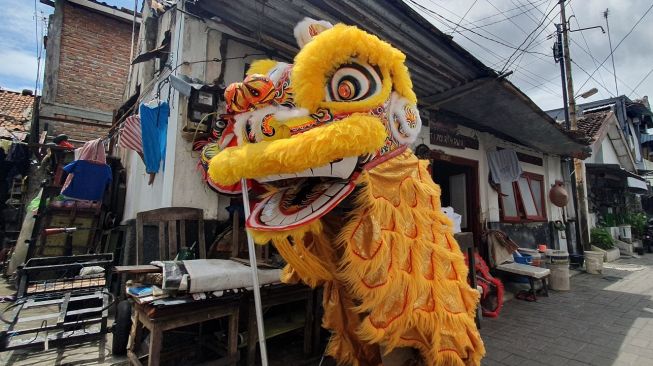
[474, 32]
[589, 51]
[619, 44]
[464, 15]
[508, 63]
[641, 81]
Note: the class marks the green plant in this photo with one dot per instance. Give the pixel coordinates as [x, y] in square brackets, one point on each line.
[637, 221]
[601, 238]
[610, 220]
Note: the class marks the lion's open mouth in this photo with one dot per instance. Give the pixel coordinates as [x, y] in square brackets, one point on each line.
[304, 196]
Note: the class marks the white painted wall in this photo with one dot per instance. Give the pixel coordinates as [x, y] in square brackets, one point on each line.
[551, 169]
[180, 184]
[608, 153]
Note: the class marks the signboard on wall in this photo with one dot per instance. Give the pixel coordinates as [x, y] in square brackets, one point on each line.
[452, 139]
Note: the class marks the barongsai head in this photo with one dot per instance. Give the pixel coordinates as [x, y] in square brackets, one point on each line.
[305, 131]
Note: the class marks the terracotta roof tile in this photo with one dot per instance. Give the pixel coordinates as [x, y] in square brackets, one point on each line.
[15, 110]
[590, 123]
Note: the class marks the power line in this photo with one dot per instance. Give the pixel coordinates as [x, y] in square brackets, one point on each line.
[476, 33]
[527, 13]
[464, 15]
[619, 44]
[511, 21]
[475, 22]
[641, 81]
[439, 18]
[502, 20]
[585, 71]
[601, 66]
[528, 36]
[588, 51]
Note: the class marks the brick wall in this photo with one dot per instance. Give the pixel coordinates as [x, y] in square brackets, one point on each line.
[93, 59]
[92, 72]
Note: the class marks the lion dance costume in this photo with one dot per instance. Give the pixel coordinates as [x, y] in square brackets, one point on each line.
[344, 201]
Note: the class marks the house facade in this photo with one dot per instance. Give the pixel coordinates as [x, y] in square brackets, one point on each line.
[617, 171]
[467, 110]
[86, 68]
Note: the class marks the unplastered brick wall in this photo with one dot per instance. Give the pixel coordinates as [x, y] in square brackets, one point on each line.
[93, 59]
[75, 131]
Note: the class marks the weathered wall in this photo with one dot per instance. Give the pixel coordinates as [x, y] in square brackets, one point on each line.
[526, 234]
[94, 59]
[86, 71]
[180, 184]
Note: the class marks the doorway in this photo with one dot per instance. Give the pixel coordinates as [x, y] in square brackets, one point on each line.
[458, 181]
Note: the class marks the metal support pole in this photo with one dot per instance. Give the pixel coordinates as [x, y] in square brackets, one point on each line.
[579, 166]
[562, 75]
[256, 288]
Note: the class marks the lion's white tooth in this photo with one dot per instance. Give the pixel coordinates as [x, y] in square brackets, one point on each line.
[344, 167]
[334, 189]
[322, 171]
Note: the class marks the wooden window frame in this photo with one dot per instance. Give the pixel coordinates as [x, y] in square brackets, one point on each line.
[522, 216]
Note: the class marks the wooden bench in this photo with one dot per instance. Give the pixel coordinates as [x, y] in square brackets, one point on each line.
[531, 272]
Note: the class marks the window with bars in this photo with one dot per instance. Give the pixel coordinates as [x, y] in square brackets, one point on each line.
[523, 200]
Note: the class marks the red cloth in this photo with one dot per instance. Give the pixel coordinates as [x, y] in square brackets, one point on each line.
[130, 134]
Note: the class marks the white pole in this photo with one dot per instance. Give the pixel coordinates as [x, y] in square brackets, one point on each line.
[257, 290]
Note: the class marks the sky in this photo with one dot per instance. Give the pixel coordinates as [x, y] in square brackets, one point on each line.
[491, 30]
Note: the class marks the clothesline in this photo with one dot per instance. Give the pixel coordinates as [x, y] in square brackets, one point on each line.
[117, 127]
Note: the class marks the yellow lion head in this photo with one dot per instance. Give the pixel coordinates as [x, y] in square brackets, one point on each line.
[306, 131]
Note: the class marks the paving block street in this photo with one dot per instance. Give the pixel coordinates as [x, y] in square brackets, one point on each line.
[604, 320]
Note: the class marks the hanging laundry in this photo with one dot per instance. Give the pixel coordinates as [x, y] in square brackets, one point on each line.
[19, 155]
[504, 166]
[130, 134]
[89, 176]
[154, 130]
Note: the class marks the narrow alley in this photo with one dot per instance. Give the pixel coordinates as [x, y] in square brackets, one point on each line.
[604, 320]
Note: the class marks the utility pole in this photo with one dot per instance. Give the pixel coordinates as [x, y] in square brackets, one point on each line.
[582, 209]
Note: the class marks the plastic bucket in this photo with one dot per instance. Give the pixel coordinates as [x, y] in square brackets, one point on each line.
[557, 257]
[559, 278]
[593, 262]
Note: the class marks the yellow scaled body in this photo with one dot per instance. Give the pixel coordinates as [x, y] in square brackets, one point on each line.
[393, 275]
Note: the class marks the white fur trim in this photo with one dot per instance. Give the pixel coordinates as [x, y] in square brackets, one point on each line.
[255, 119]
[285, 114]
[277, 71]
[405, 134]
[308, 28]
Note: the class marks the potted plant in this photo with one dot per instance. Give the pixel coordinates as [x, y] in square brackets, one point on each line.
[601, 238]
[611, 224]
[637, 221]
[602, 241]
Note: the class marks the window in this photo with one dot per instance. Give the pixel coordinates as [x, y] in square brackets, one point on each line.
[523, 200]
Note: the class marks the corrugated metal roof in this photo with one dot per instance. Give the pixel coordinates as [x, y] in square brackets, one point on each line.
[441, 70]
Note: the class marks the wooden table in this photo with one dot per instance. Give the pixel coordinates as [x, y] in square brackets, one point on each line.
[185, 315]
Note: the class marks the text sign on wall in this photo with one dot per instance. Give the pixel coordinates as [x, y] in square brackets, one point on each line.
[452, 139]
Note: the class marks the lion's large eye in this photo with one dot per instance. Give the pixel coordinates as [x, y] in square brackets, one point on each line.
[352, 82]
